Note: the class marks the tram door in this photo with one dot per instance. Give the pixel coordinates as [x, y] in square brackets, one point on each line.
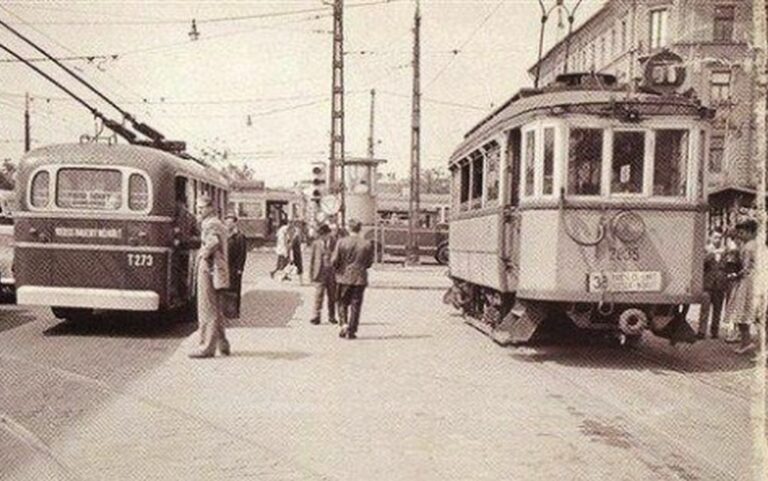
[510, 243]
[276, 212]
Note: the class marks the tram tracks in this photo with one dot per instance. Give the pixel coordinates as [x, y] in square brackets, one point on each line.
[34, 443]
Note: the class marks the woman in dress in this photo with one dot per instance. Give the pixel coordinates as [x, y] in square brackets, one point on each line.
[740, 308]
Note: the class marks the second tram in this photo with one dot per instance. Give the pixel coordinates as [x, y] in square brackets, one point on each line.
[108, 227]
[581, 203]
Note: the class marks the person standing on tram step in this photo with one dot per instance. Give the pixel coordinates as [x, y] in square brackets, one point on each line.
[212, 280]
[187, 238]
[715, 284]
[741, 309]
[322, 275]
[297, 258]
[281, 248]
[237, 248]
[351, 259]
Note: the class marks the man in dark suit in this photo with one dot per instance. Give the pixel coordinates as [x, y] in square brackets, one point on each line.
[351, 259]
[321, 273]
[238, 250]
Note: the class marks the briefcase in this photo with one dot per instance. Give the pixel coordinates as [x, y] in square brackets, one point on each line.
[231, 304]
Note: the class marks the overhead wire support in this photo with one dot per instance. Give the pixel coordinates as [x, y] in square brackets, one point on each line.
[116, 127]
[139, 126]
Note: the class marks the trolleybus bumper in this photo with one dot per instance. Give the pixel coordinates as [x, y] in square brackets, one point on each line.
[84, 297]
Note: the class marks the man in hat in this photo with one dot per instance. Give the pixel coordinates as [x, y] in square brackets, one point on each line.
[212, 274]
[351, 259]
[237, 249]
[322, 275]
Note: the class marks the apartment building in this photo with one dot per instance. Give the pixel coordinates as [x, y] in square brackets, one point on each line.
[712, 37]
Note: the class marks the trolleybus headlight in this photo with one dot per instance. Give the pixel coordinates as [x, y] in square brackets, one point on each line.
[628, 226]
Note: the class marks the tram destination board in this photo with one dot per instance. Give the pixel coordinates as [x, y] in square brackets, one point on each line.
[627, 281]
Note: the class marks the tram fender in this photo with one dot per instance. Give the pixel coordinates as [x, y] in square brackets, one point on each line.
[519, 325]
[677, 330]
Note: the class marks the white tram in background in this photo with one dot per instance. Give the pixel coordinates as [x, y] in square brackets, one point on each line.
[582, 204]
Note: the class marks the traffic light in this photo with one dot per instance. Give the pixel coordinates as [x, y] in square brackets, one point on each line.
[319, 181]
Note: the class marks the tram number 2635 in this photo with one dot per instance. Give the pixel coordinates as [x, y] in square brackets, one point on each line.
[624, 254]
[140, 260]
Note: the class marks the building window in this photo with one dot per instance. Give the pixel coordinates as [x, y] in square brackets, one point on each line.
[593, 54]
[724, 19]
[613, 42]
[716, 154]
[602, 51]
[659, 20]
[623, 35]
[720, 87]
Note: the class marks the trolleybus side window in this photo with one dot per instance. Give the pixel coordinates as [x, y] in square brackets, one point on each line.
[628, 165]
[492, 157]
[40, 191]
[670, 163]
[94, 189]
[585, 161]
[513, 166]
[477, 180]
[138, 192]
[529, 168]
[549, 161]
[464, 199]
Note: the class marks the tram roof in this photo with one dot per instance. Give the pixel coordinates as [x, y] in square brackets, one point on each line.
[558, 100]
[152, 160]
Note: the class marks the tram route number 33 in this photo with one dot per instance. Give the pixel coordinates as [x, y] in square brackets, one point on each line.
[140, 260]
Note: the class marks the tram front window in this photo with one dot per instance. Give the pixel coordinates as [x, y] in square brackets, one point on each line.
[628, 162]
[670, 163]
[585, 155]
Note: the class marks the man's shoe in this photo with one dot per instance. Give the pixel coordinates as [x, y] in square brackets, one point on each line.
[200, 355]
[343, 333]
[351, 335]
[333, 321]
[224, 349]
[314, 321]
[701, 335]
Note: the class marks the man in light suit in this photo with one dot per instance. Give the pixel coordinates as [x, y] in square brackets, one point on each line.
[321, 274]
[351, 259]
[212, 274]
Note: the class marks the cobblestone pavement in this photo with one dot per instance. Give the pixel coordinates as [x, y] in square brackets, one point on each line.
[419, 396]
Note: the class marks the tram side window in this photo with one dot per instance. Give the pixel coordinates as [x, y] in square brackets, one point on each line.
[670, 171]
[91, 189]
[585, 161]
[464, 185]
[493, 156]
[549, 160]
[628, 162]
[513, 166]
[41, 189]
[455, 187]
[138, 192]
[530, 161]
[477, 181]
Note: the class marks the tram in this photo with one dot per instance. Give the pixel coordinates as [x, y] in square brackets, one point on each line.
[107, 227]
[581, 205]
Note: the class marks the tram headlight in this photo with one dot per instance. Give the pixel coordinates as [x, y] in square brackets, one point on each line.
[628, 226]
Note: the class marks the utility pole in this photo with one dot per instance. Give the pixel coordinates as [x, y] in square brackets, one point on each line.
[758, 405]
[371, 139]
[337, 108]
[27, 138]
[413, 207]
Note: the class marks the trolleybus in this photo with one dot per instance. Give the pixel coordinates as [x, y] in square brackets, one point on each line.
[108, 227]
[581, 203]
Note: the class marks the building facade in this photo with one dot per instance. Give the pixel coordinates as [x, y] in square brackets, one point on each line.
[712, 37]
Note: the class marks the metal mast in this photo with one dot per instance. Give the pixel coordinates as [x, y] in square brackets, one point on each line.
[27, 138]
[337, 106]
[414, 208]
[371, 141]
[758, 404]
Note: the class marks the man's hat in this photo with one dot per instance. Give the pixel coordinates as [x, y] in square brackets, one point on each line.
[231, 215]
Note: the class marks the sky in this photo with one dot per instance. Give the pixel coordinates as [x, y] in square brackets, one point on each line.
[270, 60]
